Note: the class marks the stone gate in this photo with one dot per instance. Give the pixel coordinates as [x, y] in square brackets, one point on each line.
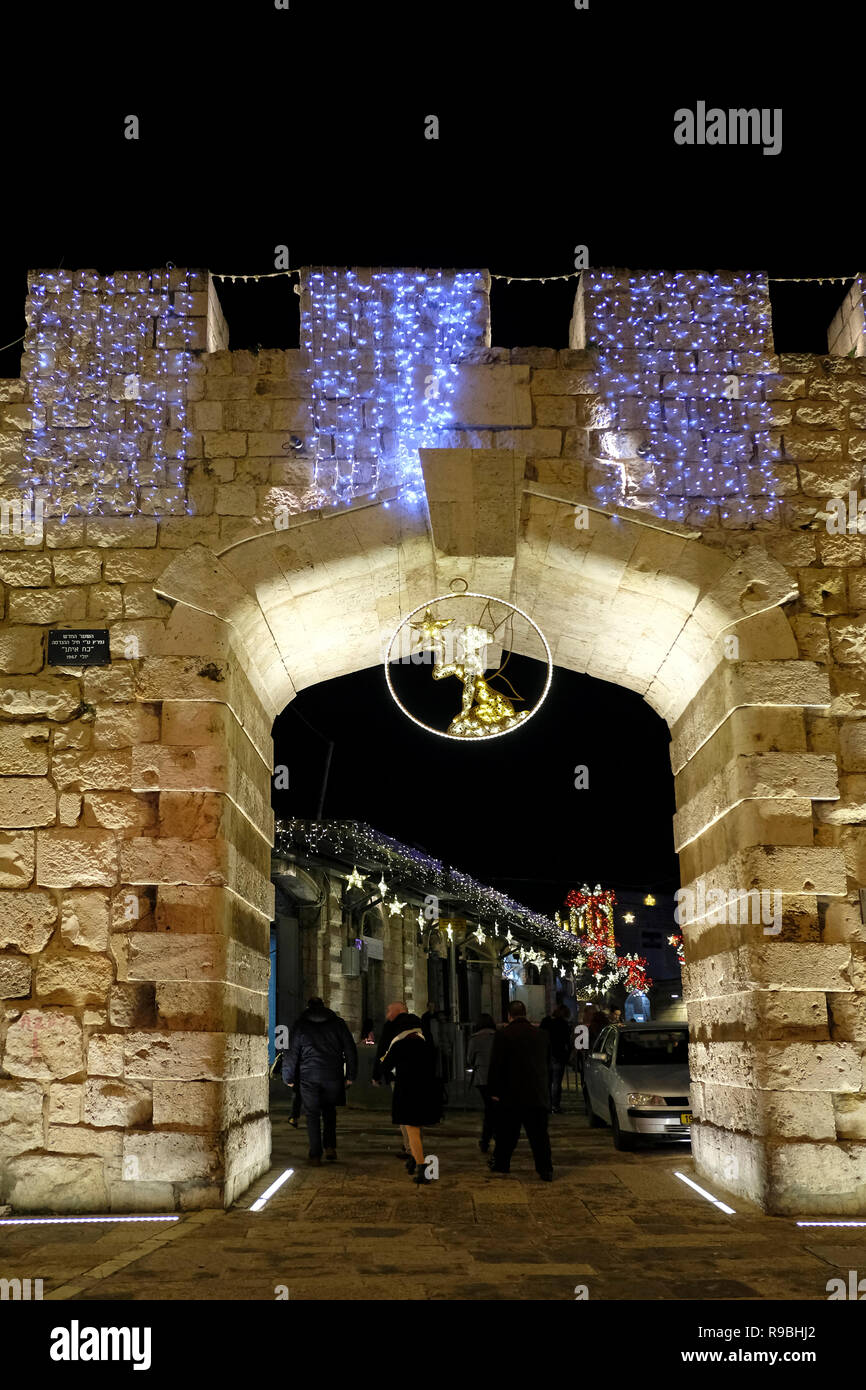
[244, 526]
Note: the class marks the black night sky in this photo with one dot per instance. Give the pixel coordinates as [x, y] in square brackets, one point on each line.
[304, 126]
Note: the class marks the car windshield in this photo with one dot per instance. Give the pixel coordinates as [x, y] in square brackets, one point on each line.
[652, 1048]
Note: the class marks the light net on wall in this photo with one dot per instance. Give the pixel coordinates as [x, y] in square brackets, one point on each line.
[107, 360]
[683, 360]
[384, 348]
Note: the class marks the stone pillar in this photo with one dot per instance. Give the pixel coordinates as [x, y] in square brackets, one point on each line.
[765, 1062]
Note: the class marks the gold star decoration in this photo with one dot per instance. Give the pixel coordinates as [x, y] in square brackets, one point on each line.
[628, 917]
[420, 919]
[479, 933]
[382, 886]
[429, 625]
[395, 907]
[354, 880]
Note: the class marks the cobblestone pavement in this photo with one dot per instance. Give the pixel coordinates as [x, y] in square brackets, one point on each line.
[621, 1224]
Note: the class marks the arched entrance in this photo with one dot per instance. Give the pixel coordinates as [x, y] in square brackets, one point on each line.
[143, 915]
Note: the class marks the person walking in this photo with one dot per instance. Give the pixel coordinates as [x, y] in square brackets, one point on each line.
[558, 1028]
[323, 1060]
[478, 1063]
[394, 1016]
[417, 1103]
[519, 1080]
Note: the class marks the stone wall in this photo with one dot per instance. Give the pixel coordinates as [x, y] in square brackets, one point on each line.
[134, 858]
[846, 336]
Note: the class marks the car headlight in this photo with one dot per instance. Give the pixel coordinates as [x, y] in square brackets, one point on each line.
[644, 1098]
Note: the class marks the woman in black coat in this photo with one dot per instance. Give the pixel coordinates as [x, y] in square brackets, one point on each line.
[417, 1103]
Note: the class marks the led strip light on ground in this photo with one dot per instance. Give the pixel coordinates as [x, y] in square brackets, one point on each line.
[75, 1220]
[269, 1192]
[708, 1195]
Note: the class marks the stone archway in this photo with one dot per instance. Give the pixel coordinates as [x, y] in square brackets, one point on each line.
[135, 864]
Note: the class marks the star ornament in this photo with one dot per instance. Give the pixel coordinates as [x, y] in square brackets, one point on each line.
[479, 933]
[354, 880]
[382, 886]
[429, 625]
[395, 907]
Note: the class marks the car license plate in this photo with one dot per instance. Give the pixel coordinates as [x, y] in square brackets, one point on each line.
[686, 1117]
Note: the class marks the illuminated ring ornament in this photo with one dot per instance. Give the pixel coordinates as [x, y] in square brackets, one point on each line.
[464, 738]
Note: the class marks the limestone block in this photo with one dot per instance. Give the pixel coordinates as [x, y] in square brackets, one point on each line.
[14, 977]
[133, 1006]
[852, 745]
[76, 1139]
[23, 570]
[65, 1103]
[77, 566]
[119, 810]
[183, 910]
[193, 1056]
[848, 639]
[848, 1018]
[811, 1179]
[24, 749]
[44, 1044]
[194, 1104]
[170, 1157]
[68, 808]
[27, 801]
[51, 697]
[105, 605]
[126, 532]
[733, 684]
[27, 920]
[74, 979]
[850, 1114]
[47, 605]
[115, 682]
[247, 1146]
[121, 1103]
[85, 919]
[76, 858]
[160, 957]
[140, 601]
[135, 566]
[102, 770]
[105, 1054]
[824, 590]
[20, 650]
[770, 1114]
[141, 1196]
[17, 858]
[208, 1007]
[54, 1183]
[76, 735]
[778, 1066]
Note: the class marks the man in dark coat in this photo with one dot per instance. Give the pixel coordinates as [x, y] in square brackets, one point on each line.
[519, 1080]
[320, 1048]
[559, 1030]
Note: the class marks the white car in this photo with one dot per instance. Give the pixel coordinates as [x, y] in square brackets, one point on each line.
[637, 1080]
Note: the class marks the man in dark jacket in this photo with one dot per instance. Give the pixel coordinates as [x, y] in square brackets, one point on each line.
[519, 1080]
[559, 1030]
[320, 1047]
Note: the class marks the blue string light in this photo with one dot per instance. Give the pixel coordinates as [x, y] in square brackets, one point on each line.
[384, 349]
[109, 385]
[683, 360]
